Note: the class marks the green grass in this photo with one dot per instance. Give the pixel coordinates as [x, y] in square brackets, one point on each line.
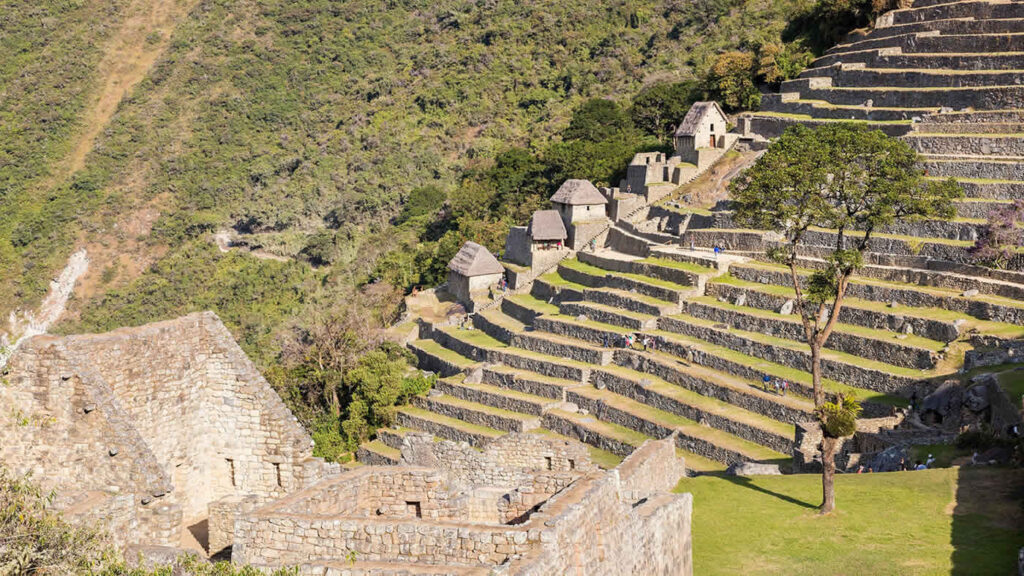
[895, 523]
[443, 353]
[556, 280]
[601, 272]
[684, 266]
[1012, 382]
[534, 303]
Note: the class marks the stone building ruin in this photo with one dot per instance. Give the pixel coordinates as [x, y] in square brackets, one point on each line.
[145, 427]
[525, 505]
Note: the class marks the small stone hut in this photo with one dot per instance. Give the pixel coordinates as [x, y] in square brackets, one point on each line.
[546, 230]
[472, 271]
[704, 126]
[579, 201]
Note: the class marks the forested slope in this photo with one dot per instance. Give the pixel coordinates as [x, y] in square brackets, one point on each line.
[345, 142]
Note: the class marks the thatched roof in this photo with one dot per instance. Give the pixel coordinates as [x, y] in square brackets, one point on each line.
[689, 125]
[474, 260]
[546, 225]
[578, 193]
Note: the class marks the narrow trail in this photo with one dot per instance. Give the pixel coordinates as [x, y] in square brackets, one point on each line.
[26, 324]
[128, 56]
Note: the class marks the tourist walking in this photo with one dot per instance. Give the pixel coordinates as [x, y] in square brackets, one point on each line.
[785, 386]
[766, 381]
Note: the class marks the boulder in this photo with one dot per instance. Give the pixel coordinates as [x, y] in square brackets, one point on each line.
[976, 397]
[944, 402]
[753, 469]
[787, 308]
[741, 300]
[475, 376]
[970, 293]
[888, 460]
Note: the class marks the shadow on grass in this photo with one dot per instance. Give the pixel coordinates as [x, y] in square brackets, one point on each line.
[748, 483]
[988, 521]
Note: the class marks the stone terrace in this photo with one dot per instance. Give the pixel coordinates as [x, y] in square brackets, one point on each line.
[947, 78]
[551, 360]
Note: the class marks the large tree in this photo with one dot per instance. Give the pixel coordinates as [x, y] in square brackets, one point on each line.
[847, 180]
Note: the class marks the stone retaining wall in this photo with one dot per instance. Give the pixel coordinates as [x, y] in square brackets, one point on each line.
[442, 430]
[889, 352]
[477, 417]
[501, 401]
[621, 283]
[902, 296]
[654, 429]
[637, 391]
[606, 316]
[518, 383]
[748, 400]
[967, 145]
[939, 330]
[856, 376]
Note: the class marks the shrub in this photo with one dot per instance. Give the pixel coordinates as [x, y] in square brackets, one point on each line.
[731, 81]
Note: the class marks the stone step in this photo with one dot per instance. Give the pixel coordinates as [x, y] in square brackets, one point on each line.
[975, 119]
[652, 391]
[695, 352]
[683, 274]
[980, 208]
[526, 307]
[630, 301]
[496, 396]
[476, 344]
[392, 436]
[702, 440]
[821, 110]
[977, 168]
[869, 374]
[477, 414]
[377, 453]
[950, 26]
[446, 427]
[432, 356]
[929, 127]
[854, 311]
[894, 58]
[911, 352]
[717, 384]
[859, 76]
[983, 307]
[935, 43]
[609, 315]
[978, 10]
[594, 277]
[524, 381]
[966, 144]
[552, 287]
[616, 439]
[981, 98]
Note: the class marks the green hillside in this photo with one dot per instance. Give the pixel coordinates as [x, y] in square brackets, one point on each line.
[351, 146]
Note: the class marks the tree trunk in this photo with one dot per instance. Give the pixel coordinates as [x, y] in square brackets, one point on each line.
[828, 474]
[819, 392]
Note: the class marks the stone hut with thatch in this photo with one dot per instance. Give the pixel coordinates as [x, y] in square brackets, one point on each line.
[471, 272]
[579, 201]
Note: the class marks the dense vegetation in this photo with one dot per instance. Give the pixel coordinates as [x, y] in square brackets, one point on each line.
[36, 540]
[360, 142]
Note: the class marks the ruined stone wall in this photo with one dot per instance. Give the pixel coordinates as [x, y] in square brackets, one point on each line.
[621, 522]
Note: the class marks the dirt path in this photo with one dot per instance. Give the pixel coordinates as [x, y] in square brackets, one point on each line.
[128, 56]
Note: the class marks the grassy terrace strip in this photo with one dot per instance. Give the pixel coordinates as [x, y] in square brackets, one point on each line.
[596, 432]
[469, 404]
[604, 399]
[488, 416]
[809, 118]
[481, 340]
[534, 303]
[593, 324]
[556, 280]
[864, 280]
[794, 402]
[704, 403]
[860, 331]
[432, 347]
[649, 300]
[828, 354]
[781, 371]
[684, 266]
[591, 270]
[485, 393]
[382, 449]
[698, 463]
[974, 180]
[445, 421]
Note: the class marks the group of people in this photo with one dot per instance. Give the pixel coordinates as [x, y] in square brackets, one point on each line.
[904, 465]
[779, 385]
[632, 340]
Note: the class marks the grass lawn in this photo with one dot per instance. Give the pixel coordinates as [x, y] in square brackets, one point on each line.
[940, 521]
